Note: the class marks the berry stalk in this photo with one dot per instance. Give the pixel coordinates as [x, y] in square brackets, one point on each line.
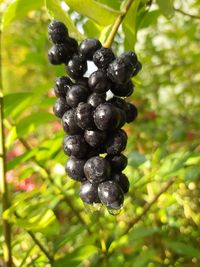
[3, 183]
[117, 23]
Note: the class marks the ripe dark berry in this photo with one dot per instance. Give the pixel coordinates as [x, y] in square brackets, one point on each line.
[97, 169]
[73, 44]
[120, 70]
[69, 124]
[123, 89]
[94, 138]
[137, 68]
[96, 99]
[84, 116]
[111, 195]
[60, 107]
[77, 93]
[117, 162]
[58, 54]
[87, 48]
[118, 102]
[89, 193]
[131, 112]
[99, 82]
[82, 81]
[103, 57]
[122, 180]
[116, 142]
[131, 56]
[75, 145]
[74, 169]
[106, 117]
[62, 85]
[57, 31]
[76, 67]
[122, 118]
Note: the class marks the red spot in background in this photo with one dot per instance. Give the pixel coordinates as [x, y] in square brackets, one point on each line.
[150, 115]
[190, 136]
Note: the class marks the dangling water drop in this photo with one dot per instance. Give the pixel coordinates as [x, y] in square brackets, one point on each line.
[115, 212]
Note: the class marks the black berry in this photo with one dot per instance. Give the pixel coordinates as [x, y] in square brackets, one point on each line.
[116, 142]
[62, 86]
[96, 99]
[117, 162]
[123, 89]
[69, 124]
[122, 180]
[84, 116]
[131, 56]
[137, 68]
[76, 67]
[89, 193]
[60, 107]
[76, 94]
[58, 54]
[87, 48]
[131, 112]
[94, 138]
[103, 57]
[74, 169]
[99, 82]
[75, 145]
[57, 31]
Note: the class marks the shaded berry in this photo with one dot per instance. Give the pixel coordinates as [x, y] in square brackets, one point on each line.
[75, 145]
[106, 117]
[111, 195]
[76, 67]
[69, 124]
[97, 169]
[116, 142]
[131, 112]
[94, 137]
[131, 56]
[96, 99]
[58, 54]
[62, 86]
[84, 116]
[60, 107]
[76, 94]
[99, 82]
[89, 193]
[123, 89]
[103, 57]
[117, 162]
[122, 180]
[137, 68]
[74, 169]
[87, 48]
[57, 32]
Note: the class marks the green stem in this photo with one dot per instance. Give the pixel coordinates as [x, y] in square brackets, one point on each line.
[4, 187]
[117, 23]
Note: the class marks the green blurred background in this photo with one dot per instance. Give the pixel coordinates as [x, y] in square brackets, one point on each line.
[163, 146]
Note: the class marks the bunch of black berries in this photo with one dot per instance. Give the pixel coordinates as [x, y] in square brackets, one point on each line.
[91, 119]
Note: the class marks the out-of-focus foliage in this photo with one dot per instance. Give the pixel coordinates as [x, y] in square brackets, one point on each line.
[163, 141]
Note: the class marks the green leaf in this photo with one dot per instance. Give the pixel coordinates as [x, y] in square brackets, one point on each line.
[18, 9]
[56, 11]
[31, 122]
[76, 257]
[101, 14]
[135, 159]
[166, 7]
[141, 232]
[149, 19]
[183, 249]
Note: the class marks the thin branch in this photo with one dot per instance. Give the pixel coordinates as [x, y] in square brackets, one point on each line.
[147, 206]
[117, 23]
[4, 186]
[186, 14]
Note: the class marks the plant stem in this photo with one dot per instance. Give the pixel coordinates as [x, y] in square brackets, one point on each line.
[4, 187]
[117, 23]
[186, 14]
[147, 206]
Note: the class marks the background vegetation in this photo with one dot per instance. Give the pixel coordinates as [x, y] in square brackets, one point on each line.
[159, 225]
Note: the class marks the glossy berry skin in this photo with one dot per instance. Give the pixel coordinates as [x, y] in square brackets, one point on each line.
[88, 47]
[116, 142]
[58, 54]
[60, 107]
[122, 118]
[106, 117]
[103, 57]
[123, 89]
[97, 169]
[84, 116]
[62, 86]
[75, 145]
[74, 169]
[96, 99]
[122, 180]
[111, 195]
[57, 32]
[73, 44]
[69, 124]
[117, 162]
[76, 67]
[99, 82]
[137, 68]
[89, 193]
[131, 112]
[131, 56]
[120, 70]
[82, 81]
[94, 138]
[76, 94]
[118, 102]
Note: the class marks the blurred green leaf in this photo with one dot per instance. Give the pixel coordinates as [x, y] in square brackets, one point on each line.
[76, 257]
[20, 159]
[101, 14]
[18, 9]
[183, 249]
[135, 159]
[166, 7]
[141, 232]
[57, 12]
[149, 19]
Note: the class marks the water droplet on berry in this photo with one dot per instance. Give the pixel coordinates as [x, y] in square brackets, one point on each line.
[115, 212]
[93, 207]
